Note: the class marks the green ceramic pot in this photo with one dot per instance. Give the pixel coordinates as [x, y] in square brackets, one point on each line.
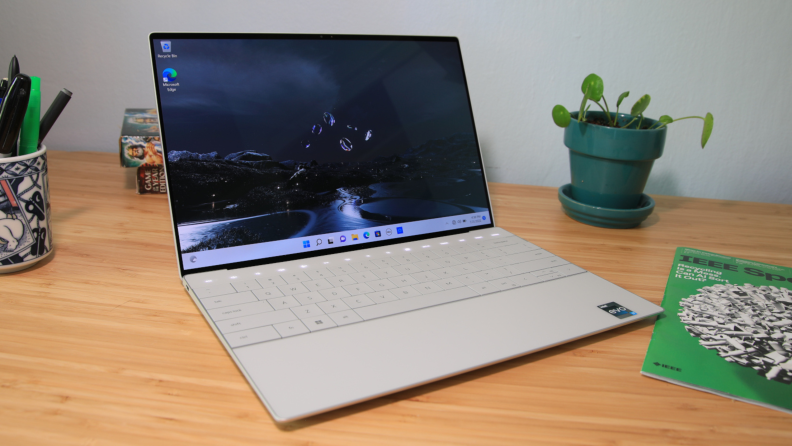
[610, 166]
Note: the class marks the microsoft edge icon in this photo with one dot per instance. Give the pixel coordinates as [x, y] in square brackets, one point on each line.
[169, 75]
[366, 235]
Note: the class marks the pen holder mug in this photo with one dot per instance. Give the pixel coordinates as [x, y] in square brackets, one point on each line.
[25, 235]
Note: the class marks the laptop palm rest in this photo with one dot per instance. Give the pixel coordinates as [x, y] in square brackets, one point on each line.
[302, 375]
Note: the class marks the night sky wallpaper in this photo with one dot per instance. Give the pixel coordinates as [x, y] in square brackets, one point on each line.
[268, 139]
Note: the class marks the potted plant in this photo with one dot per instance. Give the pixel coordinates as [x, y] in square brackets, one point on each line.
[611, 155]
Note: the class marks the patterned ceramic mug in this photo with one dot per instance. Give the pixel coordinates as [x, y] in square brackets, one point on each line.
[25, 235]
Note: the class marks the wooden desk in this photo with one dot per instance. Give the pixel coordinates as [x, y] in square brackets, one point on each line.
[99, 344]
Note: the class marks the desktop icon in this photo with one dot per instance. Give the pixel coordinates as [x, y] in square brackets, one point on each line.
[330, 240]
[342, 238]
[354, 236]
[377, 234]
[366, 235]
[166, 47]
[169, 75]
[306, 244]
[484, 218]
[388, 231]
[399, 230]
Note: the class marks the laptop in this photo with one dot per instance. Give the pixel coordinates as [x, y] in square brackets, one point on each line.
[332, 220]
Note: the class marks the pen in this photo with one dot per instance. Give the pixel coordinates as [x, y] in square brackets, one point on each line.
[13, 68]
[12, 113]
[53, 112]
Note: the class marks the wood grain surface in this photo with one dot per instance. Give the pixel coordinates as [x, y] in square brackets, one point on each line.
[100, 345]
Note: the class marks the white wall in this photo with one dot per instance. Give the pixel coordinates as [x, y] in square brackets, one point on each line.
[731, 58]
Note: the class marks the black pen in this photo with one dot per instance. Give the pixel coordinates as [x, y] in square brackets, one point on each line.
[13, 69]
[12, 112]
[53, 112]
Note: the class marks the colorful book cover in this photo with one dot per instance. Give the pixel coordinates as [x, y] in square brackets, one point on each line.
[727, 329]
[140, 138]
[151, 179]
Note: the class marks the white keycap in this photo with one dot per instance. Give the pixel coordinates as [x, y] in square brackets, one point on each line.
[234, 311]
[254, 321]
[246, 285]
[316, 285]
[360, 288]
[358, 301]
[309, 298]
[341, 280]
[426, 254]
[291, 328]
[447, 261]
[426, 276]
[341, 270]
[209, 290]
[447, 272]
[381, 296]
[505, 283]
[345, 317]
[319, 323]
[427, 265]
[380, 285]
[228, 299]
[484, 288]
[405, 292]
[408, 268]
[321, 273]
[526, 279]
[403, 281]
[363, 277]
[333, 306]
[403, 305]
[495, 273]
[428, 288]
[295, 277]
[362, 266]
[253, 336]
[281, 303]
[449, 283]
[469, 279]
[293, 288]
[306, 311]
[270, 281]
[334, 293]
[405, 259]
[268, 293]
[384, 273]
[385, 262]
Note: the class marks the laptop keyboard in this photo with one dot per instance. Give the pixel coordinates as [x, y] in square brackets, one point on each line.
[375, 283]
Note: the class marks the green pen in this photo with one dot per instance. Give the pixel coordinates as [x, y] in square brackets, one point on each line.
[28, 139]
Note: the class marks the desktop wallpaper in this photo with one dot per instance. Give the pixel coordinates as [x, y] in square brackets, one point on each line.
[274, 139]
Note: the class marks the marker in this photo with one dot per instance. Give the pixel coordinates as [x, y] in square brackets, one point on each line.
[12, 113]
[29, 136]
[53, 112]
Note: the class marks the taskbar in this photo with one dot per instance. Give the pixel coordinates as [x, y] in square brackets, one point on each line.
[313, 243]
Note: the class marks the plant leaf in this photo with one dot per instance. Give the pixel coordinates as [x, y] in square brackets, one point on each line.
[595, 87]
[640, 105]
[582, 112]
[708, 122]
[665, 119]
[621, 98]
[561, 116]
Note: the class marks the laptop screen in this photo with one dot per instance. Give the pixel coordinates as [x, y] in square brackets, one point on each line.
[284, 146]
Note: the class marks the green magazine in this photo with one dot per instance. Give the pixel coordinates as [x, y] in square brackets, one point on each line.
[726, 329]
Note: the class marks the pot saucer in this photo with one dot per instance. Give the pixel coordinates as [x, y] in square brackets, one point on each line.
[605, 217]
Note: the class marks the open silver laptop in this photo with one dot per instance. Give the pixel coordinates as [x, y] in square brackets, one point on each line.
[333, 224]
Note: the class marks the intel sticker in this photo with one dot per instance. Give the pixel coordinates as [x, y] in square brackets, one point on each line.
[617, 310]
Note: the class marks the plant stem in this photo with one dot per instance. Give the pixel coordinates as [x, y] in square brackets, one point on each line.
[679, 119]
[629, 123]
[607, 112]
